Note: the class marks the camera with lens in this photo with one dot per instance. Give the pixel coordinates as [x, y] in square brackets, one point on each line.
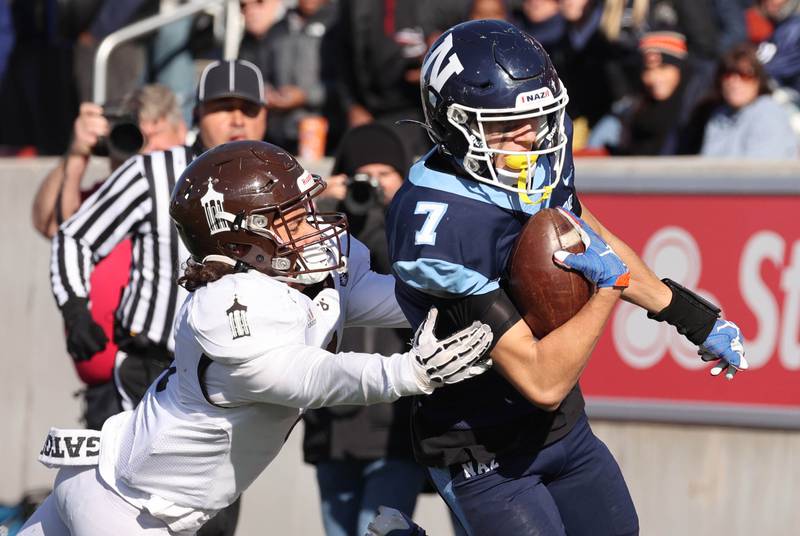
[363, 193]
[124, 139]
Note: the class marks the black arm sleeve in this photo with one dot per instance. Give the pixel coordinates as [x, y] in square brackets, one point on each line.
[493, 308]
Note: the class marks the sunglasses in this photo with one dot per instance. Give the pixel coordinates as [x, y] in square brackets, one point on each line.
[747, 76]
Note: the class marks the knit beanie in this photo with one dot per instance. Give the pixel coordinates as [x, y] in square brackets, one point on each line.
[373, 143]
[671, 46]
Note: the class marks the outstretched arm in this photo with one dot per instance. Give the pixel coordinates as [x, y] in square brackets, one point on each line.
[719, 340]
[302, 376]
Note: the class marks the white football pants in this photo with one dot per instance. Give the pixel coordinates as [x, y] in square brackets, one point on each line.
[82, 505]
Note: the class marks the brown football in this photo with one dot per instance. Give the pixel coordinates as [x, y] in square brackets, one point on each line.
[545, 294]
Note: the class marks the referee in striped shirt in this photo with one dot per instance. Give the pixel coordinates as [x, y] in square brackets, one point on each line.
[134, 203]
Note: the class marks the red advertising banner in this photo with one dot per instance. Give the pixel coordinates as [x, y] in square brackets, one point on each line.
[743, 253]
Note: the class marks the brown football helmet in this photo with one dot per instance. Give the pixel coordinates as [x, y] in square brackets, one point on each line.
[229, 201]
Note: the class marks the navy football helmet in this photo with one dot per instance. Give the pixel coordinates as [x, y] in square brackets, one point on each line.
[487, 76]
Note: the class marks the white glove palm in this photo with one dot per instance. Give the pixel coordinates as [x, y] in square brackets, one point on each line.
[452, 359]
[392, 522]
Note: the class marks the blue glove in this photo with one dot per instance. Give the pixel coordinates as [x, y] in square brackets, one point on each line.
[599, 263]
[724, 345]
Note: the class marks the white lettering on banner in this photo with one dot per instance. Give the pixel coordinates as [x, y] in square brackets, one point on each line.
[641, 343]
[790, 333]
[441, 74]
[761, 247]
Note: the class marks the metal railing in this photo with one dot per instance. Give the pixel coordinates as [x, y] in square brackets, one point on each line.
[151, 24]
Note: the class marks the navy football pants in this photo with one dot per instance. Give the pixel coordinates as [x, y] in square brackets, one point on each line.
[573, 486]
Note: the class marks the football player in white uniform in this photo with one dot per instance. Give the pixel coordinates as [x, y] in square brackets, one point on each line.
[272, 284]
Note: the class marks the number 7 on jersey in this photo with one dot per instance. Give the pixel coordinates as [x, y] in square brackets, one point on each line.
[435, 211]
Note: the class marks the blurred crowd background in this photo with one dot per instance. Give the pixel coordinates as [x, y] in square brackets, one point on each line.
[645, 77]
[717, 78]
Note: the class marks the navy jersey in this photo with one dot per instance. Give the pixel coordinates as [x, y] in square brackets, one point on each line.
[450, 238]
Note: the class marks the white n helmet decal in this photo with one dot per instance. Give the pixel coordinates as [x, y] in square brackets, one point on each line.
[441, 74]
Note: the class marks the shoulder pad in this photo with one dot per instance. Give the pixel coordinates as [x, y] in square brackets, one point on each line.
[241, 316]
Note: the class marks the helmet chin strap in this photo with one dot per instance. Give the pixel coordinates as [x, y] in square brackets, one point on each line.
[238, 266]
[219, 258]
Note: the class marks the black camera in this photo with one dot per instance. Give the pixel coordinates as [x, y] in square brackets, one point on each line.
[124, 139]
[363, 192]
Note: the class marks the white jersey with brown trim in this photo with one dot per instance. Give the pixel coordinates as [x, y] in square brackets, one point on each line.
[248, 359]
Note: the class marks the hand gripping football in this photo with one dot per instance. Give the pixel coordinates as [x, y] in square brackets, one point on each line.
[545, 294]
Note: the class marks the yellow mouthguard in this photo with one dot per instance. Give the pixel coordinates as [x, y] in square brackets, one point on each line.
[520, 162]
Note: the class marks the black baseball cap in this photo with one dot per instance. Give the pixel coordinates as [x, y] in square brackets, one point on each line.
[231, 78]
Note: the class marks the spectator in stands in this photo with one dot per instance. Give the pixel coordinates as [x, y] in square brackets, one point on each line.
[6, 37]
[759, 26]
[59, 196]
[780, 54]
[172, 60]
[747, 123]
[623, 24]
[697, 22]
[299, 69]
[37, 98]
[128, 62]
[542, 19]
[650, 123]
[259, 17]
[730, 18]
[580, 57]
[488, 9]
[362, 454]
[382, 43]
[439, 16]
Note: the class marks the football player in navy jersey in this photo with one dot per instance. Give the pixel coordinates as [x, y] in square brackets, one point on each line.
[511, 452]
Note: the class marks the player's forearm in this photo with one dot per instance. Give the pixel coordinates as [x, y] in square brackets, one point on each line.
[545, 371]
[646, 290]
[309, 377]
[65, 177]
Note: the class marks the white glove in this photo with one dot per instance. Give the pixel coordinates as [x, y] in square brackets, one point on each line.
[391, 522]
[453, 359]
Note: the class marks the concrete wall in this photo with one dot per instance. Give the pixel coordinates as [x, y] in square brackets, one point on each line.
[690, 480]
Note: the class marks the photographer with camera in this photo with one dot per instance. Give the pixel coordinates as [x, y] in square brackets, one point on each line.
[149, 119]
[363, 455]
[369, 168]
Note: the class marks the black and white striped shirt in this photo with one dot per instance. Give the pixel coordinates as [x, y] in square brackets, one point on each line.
[133, 201]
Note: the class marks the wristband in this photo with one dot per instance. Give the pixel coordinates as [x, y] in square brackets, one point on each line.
[691, 314]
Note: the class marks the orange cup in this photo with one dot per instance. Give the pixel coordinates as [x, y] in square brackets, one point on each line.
[312, 132]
